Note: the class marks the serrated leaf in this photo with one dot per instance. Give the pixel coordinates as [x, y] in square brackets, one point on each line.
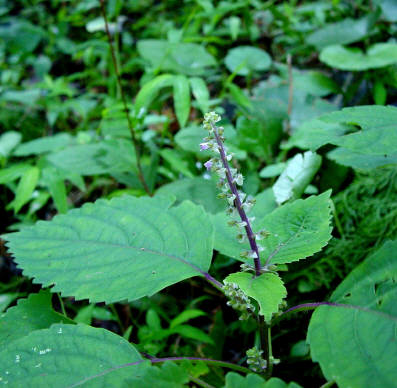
[33, 313]
[297, 230]
[181, 98]
[296, 177]
[267, 289]
[355, 345]
[234, 380]
[125, 248]
[25, 188]
[70, 355]
[353, 59]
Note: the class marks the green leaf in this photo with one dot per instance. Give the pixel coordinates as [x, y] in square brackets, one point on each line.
[44, 145]
[25, 188]
[191, 332]
[200, 93]
[296, 177]
[182, 58]
[8, 141]
[149, 91]
[267, 289]
[56, 186]
[297, 230]
[177, 161]
[353, 59]
[13, 172]
[355, 345]
[198, 190]
[234, 380]
[6, 300]
[33, 313]
[272, 170]
[244, 60]
[360, 161]
[104, 157]
[185, 316]
[93, 251]
[343, 32]
[181, 98]
[70, 355]
[168, 375]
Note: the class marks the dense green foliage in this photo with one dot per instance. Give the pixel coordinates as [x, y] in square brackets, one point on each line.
[119, 260]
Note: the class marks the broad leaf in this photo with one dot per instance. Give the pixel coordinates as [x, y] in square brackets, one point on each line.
[234, 380]
[297, 230]
[70, 355]
[353, 59]
[356, 345]
[32, 313]
[267, 289]
[125, 248]
[168, 375]
[343, 32]
[243, 60]
[225, 236]
[296, 177]
[200, 93]
[181, 98]
[8, 141]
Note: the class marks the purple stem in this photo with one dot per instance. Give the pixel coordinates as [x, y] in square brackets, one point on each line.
[238, 204]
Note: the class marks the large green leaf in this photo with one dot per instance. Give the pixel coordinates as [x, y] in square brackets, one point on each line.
[33, 313]
[125, 248]
[243, 60]
[44, 144]
[267, 289]
[8, 141]
[356, 345]
[296, 177]
[68, 356]
[353, 59]
[297, 230]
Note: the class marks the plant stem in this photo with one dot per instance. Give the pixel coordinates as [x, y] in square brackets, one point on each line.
[62, 304]
[237, 202]
[131, 128]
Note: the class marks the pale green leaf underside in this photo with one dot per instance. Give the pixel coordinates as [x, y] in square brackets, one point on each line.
[356, 345]
[68, 356]
[267, 289]
[125, 248]
[297, 230]
[296, 177]
[32, 313]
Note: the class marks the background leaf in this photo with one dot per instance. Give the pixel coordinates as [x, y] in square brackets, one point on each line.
[243, 60]
[181, 98]
[297, 175]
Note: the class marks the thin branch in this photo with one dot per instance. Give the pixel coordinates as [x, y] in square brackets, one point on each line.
[290, 93]
[130, 126]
